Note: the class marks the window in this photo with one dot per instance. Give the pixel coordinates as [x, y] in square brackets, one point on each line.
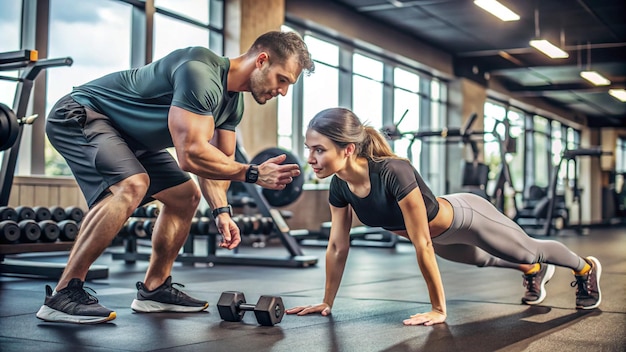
[10, 14]
[367, 92]
[321, 89]
[171, 34]
[541, 170]
[406, 113]
[380, 91]
[193, 9]
[96, 35]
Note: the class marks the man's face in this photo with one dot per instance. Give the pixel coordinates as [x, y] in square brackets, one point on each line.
[271, 79]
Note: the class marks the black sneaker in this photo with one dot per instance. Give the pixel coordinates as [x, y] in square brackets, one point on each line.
[166, 298]
[536, 284]
[588, 295]
[73, 305]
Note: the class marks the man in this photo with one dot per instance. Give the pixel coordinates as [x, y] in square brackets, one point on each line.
[113, 132]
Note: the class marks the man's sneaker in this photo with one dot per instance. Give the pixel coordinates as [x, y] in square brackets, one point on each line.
[166, 298]
[73, 305]
[588, 295]
[536, 284]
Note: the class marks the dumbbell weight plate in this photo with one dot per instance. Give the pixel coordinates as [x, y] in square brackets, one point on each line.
[292, 191]
[228, 304]
[9, 127]
[74, 213]
[8, 213]
[29, 231]
[50, 231]
[69, 230]
[9, 231]
[148, 226]
[25, 213]
[152, 211]
[57, 213]
[269, 310]
[42, 213]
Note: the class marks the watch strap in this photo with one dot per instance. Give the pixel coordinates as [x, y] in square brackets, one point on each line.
[227, 209]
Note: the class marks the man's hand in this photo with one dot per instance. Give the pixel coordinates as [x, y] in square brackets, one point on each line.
[273, 175]
[229, 230]
[321, 308]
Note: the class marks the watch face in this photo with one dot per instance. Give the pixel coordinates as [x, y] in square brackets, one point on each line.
[252, 175]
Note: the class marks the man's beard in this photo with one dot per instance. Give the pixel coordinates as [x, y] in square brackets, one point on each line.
[257, 82]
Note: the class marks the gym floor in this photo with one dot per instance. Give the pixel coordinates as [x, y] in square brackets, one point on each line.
[381, 287]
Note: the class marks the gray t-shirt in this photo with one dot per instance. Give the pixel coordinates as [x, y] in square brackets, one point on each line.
[137, 101]
[391, 180]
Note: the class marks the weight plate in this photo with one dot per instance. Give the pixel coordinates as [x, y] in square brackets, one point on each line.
[292, 191]
[9, 127]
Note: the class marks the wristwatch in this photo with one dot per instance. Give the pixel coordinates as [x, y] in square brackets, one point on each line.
[227, 209]
[252, 175]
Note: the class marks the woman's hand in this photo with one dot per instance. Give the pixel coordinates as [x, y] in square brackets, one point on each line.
[426, 319]
[321, 308]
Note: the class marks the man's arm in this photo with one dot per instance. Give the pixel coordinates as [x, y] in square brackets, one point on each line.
[214, 191]
[191, 133]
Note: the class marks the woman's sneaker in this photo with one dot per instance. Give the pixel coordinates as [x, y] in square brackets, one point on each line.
[73, 305]
[166, 298]
[588, 295]
[536, 284]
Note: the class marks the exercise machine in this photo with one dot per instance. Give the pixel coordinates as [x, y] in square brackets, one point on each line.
[12, 122]
[475, 174]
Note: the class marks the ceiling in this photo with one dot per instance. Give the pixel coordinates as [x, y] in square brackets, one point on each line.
[593, 32]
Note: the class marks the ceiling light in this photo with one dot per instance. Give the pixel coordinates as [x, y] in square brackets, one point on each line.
[549, 49]
[595, 78]
[497, 9]
[619, 94]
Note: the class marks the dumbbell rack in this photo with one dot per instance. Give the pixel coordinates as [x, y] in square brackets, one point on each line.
[31, 66]
[295, 258]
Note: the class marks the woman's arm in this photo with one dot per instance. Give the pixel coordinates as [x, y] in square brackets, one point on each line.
[336, 256]
[416, 222]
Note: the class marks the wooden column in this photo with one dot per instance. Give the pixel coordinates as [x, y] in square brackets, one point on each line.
[245, 21]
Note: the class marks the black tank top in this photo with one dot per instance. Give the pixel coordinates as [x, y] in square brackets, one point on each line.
[391, 180]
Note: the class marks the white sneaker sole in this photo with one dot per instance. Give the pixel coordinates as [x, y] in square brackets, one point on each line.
[145, 306]
[46, 313]
[546, 278]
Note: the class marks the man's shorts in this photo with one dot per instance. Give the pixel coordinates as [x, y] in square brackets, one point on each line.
[99, 155]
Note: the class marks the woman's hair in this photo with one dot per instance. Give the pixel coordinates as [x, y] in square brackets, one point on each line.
[343, 127]
[283, 45]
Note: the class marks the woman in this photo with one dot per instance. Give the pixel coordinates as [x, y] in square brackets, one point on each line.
[461, 227]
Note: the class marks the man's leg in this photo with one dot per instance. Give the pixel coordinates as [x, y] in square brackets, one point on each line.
[171, 230]
[101, 225]
[157, 294]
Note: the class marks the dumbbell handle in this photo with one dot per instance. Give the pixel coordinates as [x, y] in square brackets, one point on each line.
[247, 307]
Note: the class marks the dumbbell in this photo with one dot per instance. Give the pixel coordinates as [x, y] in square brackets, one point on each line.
[8, 213]
[50, 231]
[29, 231]
[152, 211]
[24, 213]
[42, 213]
[74, 213]
[232, 306]
[57, 213]
[69, 230]
[9, 231]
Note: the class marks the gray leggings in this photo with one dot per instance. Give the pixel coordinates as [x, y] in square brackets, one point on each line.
[483, 236]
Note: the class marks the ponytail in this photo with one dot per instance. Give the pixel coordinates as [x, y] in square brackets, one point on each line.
[374, 146]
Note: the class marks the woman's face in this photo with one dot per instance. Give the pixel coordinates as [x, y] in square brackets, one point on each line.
[325, 157]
